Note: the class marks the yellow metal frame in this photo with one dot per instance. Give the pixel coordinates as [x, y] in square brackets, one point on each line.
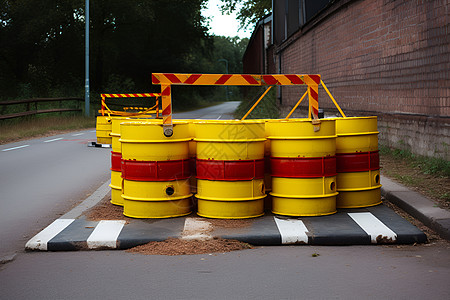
[166, 80]
[154, 109]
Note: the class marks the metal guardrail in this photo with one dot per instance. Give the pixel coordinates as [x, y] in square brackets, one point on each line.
[29, 111]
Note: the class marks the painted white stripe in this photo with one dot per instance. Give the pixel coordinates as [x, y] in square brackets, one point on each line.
[105, 234]
[196, 229]
[40, 240]
[292, 231]
[77, 134]
[14, 148]
[219, 117]
[53, 140]
[93, 131]
[373, 227]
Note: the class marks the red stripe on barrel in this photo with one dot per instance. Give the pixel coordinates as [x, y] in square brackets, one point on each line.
[303, 167]
[230, 170]
[357, 162]
[116, 157]
[166, 170]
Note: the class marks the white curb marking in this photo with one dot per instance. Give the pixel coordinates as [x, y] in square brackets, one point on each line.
[40, 240]
[53, 140]
[105, 234]
[196, 229]
[14, 148]
[292, 231]
[373, 227]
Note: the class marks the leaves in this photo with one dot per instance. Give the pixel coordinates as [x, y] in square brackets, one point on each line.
[248, 11]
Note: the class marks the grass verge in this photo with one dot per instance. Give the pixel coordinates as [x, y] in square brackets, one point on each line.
[266, 109]
[426, 175]
[24, 128]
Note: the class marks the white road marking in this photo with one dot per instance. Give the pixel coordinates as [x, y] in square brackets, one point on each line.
[40, 240]
[196, 229]
[93, 131]
[105, 234]
[53, 140]
[292, 231]
[373, 227]
[219, 117]
[77, 134]
[14, 148]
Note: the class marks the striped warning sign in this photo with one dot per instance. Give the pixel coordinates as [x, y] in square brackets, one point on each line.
[235, 79]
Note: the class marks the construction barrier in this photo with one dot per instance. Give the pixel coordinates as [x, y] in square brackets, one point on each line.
[230, 169]
[358, 162]
[166, 80]
[303, 167]
[142, 110]
[116, 157]
[192, 153]
[103, 130]
[155, 170]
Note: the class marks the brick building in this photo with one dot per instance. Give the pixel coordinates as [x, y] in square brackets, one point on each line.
[377, 57]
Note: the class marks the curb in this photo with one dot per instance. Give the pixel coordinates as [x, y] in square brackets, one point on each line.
[418, 206]
[376, 225]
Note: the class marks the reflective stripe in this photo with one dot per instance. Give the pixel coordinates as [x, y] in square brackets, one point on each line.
[165, 170]
[230, 170]
[303, 167]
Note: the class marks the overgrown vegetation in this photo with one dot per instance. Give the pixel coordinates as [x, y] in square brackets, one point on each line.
[35, 126]
[427, 175]
[129, 40]
[266, 109]
[427, 165]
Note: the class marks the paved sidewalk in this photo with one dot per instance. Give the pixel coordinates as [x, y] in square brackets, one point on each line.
[364, 226]
[417, 206]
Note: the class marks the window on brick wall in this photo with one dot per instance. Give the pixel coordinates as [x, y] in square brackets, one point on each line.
[290, 15]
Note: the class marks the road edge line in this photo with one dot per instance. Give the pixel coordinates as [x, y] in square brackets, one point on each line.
[89, 202]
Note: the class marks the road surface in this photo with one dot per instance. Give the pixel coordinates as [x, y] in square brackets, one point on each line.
[45, 177]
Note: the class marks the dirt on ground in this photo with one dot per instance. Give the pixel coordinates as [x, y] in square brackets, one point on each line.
[436, 188]
[105, 210]
[173, 246]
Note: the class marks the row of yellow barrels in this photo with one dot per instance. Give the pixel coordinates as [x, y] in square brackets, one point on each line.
[311, 173]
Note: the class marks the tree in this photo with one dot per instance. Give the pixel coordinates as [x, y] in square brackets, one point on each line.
[248, 11]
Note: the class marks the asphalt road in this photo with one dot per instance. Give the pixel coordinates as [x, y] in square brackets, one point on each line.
[45, 179]
[41, 179]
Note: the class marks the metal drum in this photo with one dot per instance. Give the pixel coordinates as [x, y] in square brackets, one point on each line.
[116, 157]
[103, 129]
[230, 169]
[155, 170]
[358, 162]
[303, 166]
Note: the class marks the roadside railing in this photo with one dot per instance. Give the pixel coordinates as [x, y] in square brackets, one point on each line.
[32, 107]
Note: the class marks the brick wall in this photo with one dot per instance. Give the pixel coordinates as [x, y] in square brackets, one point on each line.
[388, 58]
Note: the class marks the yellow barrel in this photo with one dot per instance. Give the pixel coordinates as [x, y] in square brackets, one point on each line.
[230, 169]
[155, 170]
[116, 157]
[303, 167]
[192, 154]
[358, 162]
[103, 129]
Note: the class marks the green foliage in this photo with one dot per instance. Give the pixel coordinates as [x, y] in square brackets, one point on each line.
[42, 44]
[427, 165]
[248, 11]
[266, 108]
[42, 49]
